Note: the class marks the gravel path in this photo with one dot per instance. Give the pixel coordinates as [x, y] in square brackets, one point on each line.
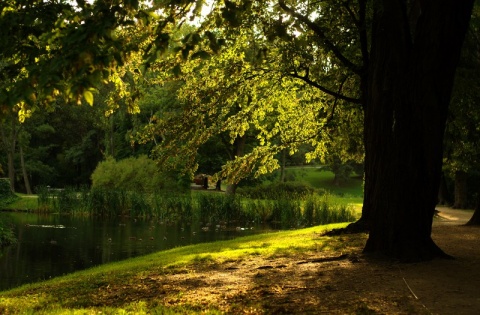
[449, 216]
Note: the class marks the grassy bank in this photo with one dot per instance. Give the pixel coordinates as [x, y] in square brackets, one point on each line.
[135, 286]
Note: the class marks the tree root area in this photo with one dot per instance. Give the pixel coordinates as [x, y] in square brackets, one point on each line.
[318, 282]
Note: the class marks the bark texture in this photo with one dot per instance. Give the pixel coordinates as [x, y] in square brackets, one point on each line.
[410, 77]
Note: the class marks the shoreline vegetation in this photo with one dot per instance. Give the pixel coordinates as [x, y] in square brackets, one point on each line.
[124, 287]
[120, 288]
[310, 199]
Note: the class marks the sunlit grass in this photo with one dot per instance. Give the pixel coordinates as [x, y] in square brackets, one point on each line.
[71, 294]
[321, 178]
[349, 193]
[24, 203]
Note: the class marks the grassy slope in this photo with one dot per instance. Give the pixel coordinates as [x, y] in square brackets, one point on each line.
[348, 193]
[70, 294]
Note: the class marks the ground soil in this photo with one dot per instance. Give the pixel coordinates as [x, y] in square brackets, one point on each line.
[331, 282]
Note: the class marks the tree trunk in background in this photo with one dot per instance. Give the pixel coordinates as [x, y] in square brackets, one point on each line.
[460, 190]
[24, 172]
[11, 169]
[475, 219]
[239, 149]
[443, 194]
[410, 80]
[282, 165]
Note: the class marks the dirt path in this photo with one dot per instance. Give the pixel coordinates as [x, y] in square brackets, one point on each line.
[449, 216]
[321, 282]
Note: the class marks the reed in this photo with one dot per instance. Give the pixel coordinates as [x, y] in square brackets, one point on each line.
[43, 198]
[319, 210]
[286, 208]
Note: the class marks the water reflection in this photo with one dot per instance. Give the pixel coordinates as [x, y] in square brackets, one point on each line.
[53, 245]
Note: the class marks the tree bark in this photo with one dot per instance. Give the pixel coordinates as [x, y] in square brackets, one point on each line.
[443, 193]
[460, 190]
[411, 71]
[239, 149]
[282, 165]
[24, 172]
[475, 219]
[9, 139]
[11, 169]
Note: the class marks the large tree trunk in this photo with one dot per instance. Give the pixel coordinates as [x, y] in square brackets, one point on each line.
[412, 66]
[460, 190]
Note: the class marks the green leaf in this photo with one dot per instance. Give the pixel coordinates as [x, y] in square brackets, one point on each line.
[177, 70]
[88, 95]
[202, 54]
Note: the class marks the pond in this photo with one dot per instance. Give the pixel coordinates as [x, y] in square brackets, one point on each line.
[54, 245]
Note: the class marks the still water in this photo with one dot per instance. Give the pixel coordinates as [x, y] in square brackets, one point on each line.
[53, 245]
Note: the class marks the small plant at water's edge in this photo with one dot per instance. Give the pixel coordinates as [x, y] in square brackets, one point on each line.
[7, 236]
[6, 195]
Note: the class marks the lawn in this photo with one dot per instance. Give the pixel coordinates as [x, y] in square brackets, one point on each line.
[350, 192]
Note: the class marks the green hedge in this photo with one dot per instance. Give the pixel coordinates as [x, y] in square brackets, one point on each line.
[6, 195]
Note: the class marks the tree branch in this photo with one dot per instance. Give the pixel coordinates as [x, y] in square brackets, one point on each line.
[362, 29]
[337, 95]
[335, 103]
[329, 45]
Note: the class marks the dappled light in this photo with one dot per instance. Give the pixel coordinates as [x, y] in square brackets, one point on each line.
[239, 157]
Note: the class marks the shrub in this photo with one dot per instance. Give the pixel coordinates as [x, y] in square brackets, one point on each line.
[7, 236]
[6, 194]
[139, 174]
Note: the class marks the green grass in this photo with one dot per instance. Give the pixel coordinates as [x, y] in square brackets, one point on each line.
[24, 203]
[72, 294]
[320, 178]
[350, 193]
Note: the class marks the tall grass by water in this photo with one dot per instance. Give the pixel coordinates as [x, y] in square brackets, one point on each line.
[287, 209]
[289, 205]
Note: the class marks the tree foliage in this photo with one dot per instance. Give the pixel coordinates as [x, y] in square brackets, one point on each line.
[250, 67]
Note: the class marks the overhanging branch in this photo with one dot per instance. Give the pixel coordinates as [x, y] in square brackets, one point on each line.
[337, 95]
[329, 45]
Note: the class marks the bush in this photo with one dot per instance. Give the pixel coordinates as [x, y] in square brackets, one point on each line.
[6, 194]
[139, 174]
[7, 236]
